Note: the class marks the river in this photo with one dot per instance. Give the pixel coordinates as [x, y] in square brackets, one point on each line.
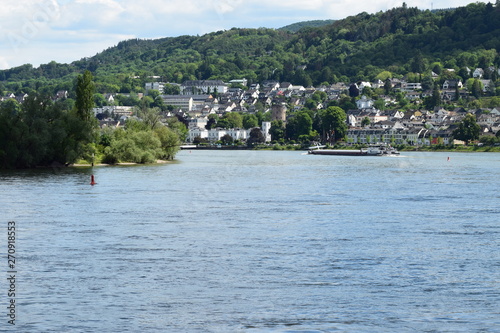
[258, 241]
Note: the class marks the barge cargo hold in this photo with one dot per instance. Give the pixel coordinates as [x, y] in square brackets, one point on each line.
[374, 150]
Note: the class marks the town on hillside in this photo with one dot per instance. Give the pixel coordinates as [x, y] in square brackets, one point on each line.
[370, 120]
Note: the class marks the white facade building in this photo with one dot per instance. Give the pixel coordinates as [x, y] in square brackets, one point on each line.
[364, 103]
[183, 102]
[154, 86]
[197, 87]
[215, 134]
[199, 122]
[115, 109]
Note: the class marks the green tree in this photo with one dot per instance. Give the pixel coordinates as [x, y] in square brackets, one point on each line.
[418, 63]
[467, 129]
[199, 140]
[477, 88]
[139, 143]
[488, 140]
[39, 132]
[250, 121]
[99, 100]
[231, 120]
[354, 90]
[153, 93]
[387, 86]
[169, 142]
[365, 122]
[171, 89]
[435, 100]
[85, 90]
[384, 76]
[291, 129]
[255, 137]
[319, 96]
[150, 117]
[494, 102]
[277, 130]
[227, 139]
[179, 128]
[304, 123]
[212, 121]
[379, 104]
[85, 133]
[333, 124]
[427, 83]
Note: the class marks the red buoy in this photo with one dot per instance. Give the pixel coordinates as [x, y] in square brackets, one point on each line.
[92, 181]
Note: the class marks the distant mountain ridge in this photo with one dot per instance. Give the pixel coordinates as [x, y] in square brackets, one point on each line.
[360, 47]
[294, 27]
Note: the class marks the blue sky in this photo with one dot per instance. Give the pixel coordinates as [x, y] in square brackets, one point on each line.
[39, 31]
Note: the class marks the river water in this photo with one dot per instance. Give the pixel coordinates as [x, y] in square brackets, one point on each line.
[258, 241]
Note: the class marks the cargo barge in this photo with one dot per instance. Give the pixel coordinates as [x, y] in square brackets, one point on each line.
[372, 150]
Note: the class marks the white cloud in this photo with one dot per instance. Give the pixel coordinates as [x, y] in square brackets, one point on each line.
[344, 8]
[60, 46]
[90, 13]
[299, 5]
[226, 6]
[3, 63]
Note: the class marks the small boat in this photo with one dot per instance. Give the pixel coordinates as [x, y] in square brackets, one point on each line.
[372, 150]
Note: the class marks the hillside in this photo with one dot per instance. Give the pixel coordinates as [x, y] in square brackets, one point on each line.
[306, 24]
[398, 41]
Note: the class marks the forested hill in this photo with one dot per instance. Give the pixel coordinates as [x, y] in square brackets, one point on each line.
[399, 41]
[306, 24]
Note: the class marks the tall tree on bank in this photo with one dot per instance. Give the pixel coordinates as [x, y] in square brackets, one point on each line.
[85, 129]
[467, 129]
[255, 137]
[85, 90]
[333, 124]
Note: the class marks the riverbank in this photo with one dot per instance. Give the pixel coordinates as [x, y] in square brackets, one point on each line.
[457, 149]
[85, 165]
[291, 147]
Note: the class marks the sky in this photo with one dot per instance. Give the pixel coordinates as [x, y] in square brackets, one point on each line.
[40, 31]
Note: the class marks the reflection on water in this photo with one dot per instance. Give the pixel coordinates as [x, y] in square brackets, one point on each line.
[259, 241]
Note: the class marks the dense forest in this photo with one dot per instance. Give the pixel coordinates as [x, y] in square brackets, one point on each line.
[395, 42]
[306, 24]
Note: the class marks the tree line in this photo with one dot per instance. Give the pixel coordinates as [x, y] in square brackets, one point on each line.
[358, 48]
[41, 132]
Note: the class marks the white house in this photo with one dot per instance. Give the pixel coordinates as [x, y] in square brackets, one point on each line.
[183, 102]
[237, 133]
[196, 87]
[198, 122]
[362, 85]
[215, 134]
[411, 86]
[115, 109]
[377, 84]
[154, 86]
[197, 132]
[486, 85]
[364, 103]
[478, 73]
[452, 84]
[266, 127]
[243, 81]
